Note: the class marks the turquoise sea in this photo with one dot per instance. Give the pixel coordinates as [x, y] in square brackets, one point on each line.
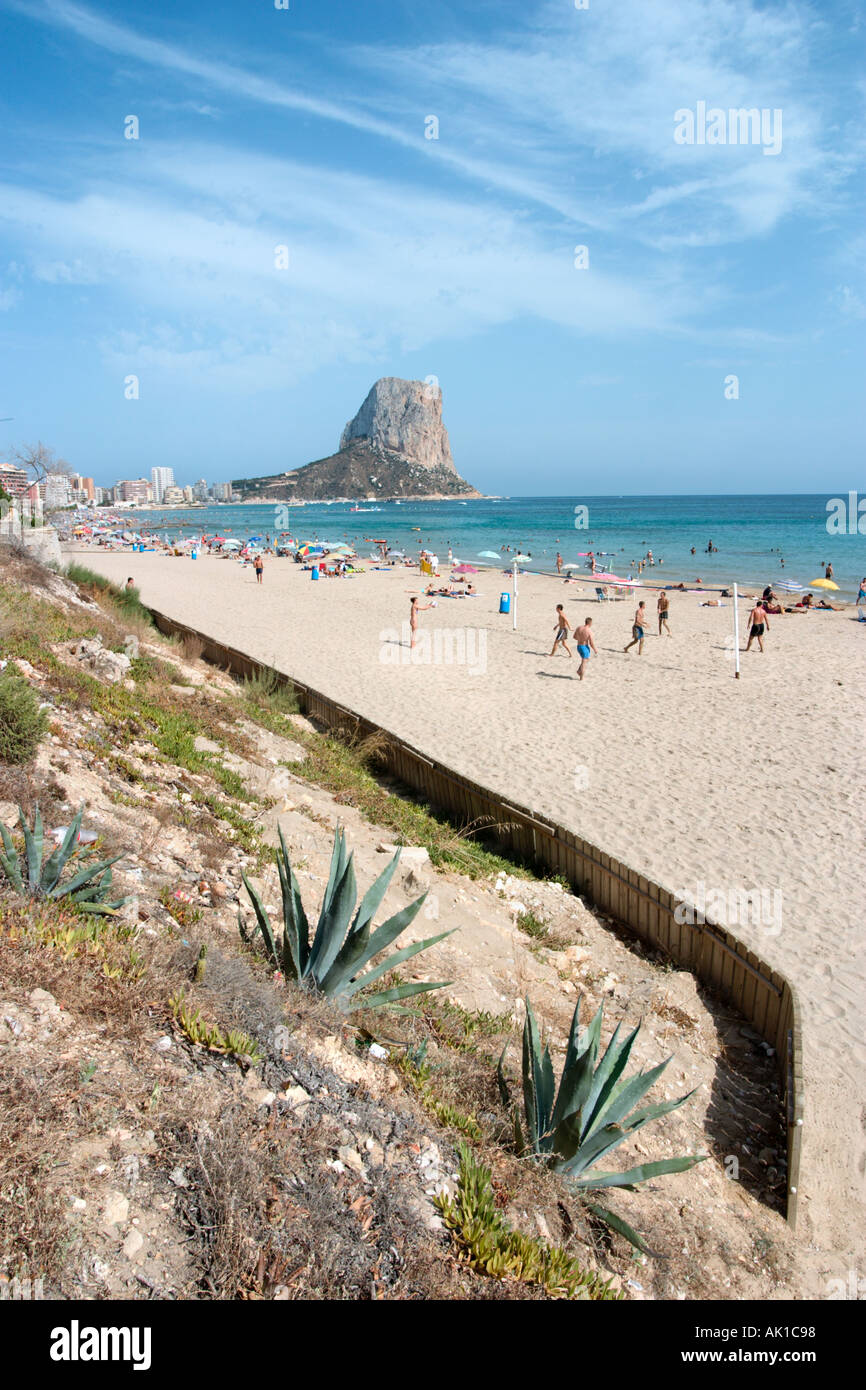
[753, 534]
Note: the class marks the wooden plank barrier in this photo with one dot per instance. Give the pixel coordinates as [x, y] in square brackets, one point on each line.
[729, 970]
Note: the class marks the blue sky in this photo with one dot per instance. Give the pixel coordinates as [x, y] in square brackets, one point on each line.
[451, 257]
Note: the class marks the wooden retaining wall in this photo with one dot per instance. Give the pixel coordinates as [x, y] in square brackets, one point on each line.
[731, 971]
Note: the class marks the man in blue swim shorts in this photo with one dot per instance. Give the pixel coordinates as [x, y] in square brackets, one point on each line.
[638, 628]
[585, 645]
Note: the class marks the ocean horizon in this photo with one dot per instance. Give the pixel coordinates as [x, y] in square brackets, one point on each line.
[752, 534]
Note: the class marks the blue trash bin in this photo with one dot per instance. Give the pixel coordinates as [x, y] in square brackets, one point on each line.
[505, 602]
[315, 572]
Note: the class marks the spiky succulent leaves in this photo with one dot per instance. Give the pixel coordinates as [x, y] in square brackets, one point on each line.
[263, 921]
[333, 925]
[355, 951]
[379, 940]
[10, 861]
[602, 1141]
[390, 963]
[622, 1228]
[501, 1081]
[84, 876]
[577, 1073]
[34, 841]
[642, 1173]
[538, 1085]
[335, 873]
[624, 1096]
[389, 996]
[56, 864]
[606, 1078]
[505, 1097]
[296, 930]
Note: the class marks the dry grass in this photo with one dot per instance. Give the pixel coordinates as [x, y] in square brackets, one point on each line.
[37, 1119]
[193, 647]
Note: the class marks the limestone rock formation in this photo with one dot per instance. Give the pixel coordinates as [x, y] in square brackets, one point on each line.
[396, 446]
[405, 418]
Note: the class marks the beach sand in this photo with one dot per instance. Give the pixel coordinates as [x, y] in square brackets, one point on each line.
[664, 760]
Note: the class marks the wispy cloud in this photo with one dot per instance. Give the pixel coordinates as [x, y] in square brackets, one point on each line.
[553, 133]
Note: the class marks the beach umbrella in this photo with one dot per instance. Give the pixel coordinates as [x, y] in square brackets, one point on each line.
[571, 566]
[489, 555]
[789, 586]
[464, 569]
[823, 584]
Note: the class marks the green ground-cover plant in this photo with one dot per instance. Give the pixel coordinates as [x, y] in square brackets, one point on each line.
[416, 1070]
[233, 1043]
[266, 691]
[592, 1112]
[123, 601]
[22, 722]
[343, 945]
[38, 877]
[492, 1247]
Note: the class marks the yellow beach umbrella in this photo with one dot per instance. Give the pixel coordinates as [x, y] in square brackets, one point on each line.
[823, 584]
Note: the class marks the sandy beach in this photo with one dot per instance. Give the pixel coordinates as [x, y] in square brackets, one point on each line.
[664, 760]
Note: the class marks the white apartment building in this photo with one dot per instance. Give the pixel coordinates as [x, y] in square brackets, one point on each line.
[160, 479]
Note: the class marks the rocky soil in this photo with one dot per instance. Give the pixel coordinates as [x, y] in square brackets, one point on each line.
[140, 1164]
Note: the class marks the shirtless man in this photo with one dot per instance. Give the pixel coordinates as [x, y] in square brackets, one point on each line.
[414, 609]
[561, 632]
[638, 630]
[585, 645]
[664, 605]
[558, 563]
[758, 620]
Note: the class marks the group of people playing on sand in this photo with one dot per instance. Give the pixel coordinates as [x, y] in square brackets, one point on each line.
[583, 633]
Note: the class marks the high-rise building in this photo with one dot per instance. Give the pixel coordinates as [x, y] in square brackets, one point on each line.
[199, 491]
[58, 490]
[135, 490]
[13, 480]
[160, 479]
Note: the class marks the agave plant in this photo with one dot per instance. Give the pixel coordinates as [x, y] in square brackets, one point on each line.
[41, 877]
[342, 945]
[592, 1112]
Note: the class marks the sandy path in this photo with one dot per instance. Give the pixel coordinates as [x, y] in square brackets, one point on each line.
[664, 760]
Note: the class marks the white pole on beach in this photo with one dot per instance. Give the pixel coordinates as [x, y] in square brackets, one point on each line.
[514, 595]
[736, 637]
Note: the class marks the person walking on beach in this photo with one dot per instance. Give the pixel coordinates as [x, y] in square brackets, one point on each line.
[664, 608]
[561, 632]
[585, 645]
[259, 567]
[414, 609]
[638, 630]
[861, 593]
[758, 620]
